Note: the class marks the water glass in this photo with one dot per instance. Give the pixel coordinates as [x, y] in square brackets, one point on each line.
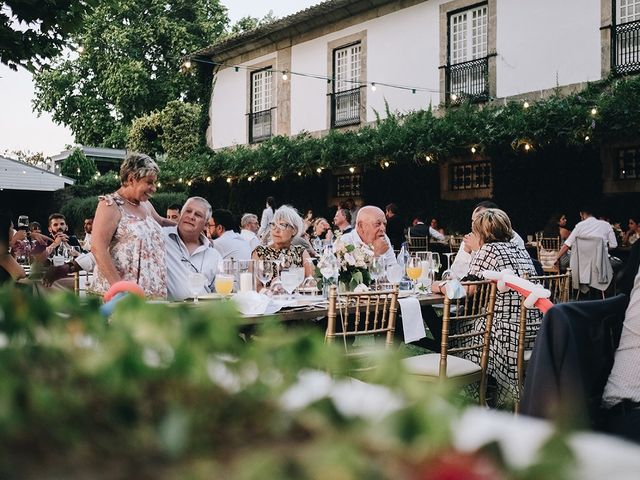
[196, 282]
[394, 273]
[290, 279]
[264, 270]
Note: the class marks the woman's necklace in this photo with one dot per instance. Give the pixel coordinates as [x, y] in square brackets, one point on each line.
[129, 201]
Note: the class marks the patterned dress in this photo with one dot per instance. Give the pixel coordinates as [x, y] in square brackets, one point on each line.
[137, 250]
[504, 332]
[292, 256]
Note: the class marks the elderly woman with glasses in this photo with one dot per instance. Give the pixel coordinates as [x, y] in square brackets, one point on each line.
[284, 227]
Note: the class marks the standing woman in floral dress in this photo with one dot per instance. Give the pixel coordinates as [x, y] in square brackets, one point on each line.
[127, 240]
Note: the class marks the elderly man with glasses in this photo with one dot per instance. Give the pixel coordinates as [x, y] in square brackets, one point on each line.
[370, 230]
[189, 251]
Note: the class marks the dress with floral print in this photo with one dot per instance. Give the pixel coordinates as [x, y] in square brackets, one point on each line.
[137, 250]
[292, 256]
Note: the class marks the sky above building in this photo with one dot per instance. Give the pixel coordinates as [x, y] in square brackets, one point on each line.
[22, 129]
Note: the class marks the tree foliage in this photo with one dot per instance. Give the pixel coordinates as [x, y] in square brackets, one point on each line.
[78, 166]
[32, 32]
[129, 67]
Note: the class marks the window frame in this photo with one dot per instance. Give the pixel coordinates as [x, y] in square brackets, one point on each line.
[265, 111]
[348, 89]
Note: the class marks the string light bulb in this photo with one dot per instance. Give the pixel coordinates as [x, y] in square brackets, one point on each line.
[525, 104]
[208, 179]
[454, 97]
[249, 178]
[351, 169]
[319, 170]
[527, 147]
[78, 170]
[373, 86]
[80, 50]
[594, 111]
[428, 158]
[587, 138]
[187, 64]
[473, 149]
[180, 180]
[274, 178]
[229, 180]
[299, 174]
[285, 77]
[158, 184]
[386, 164]
[189, 183]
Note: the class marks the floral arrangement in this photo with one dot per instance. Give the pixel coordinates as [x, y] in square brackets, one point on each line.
[354, 262]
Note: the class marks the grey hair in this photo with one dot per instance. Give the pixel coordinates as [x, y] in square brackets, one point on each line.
[246, 218]
[204, 201]
[137, 165]
[289, 215]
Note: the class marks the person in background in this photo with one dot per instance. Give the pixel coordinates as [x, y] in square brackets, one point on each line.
[228, 243]
[589, 226]
[34, 227]
[322, 229]
[173, 212]
[267, 216]
[420, 230]
[557, 227]
[189, 250]
[308, 219]
[286, 226]
[58, 232]
[88, 227]
[249, 227]
[342, 220]
[10, 270]
[395, 227]
[631, 235]
[437, 228]
[127, 239]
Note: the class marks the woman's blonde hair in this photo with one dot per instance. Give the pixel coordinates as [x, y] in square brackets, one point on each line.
[492, 225]
[137, 165]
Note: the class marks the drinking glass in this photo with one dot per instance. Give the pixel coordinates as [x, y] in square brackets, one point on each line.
[394, 273]
[435, 263]
[413, 269]
[224, 283]
[23, 222]
[264, 271]
[448, 274]
[290, 280]
[318, 244]
[376, 270]
[196, 282]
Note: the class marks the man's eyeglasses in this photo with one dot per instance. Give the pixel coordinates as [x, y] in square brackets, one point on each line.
[211, 225]
[279, 226]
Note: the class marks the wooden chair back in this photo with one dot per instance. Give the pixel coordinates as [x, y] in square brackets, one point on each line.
[358, 314]
[548, 248]
[417, 244]
[454, 242]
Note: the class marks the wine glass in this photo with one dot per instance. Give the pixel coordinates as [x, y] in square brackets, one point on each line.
[264, 271]
[448, 274]
[196, 282]
[376, 269]
[435, 263]
[290, 280]
[394, 273]
[413, 269]
[318, 244]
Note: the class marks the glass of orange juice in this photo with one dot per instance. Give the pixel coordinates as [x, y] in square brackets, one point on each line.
[224, 284]
[414, 269]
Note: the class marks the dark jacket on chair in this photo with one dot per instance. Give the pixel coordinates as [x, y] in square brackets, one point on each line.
[571, 361]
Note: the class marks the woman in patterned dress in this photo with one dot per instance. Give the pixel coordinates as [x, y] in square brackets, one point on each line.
[127, 240]
[284, 227]
[492, 233]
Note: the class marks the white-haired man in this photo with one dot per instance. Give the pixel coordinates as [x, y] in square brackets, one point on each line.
[188, 250]
[250, 225]
[370, 230]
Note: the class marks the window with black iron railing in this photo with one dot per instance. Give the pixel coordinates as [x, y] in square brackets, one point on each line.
[626, 48]
[468, 81]
[628, 163]
[345, 108]
[259, 126]
[469, 176]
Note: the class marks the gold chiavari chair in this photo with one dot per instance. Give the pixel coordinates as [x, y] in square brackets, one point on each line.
[559, 286]
[466, 326]
[361, 314]
[454, 242]
[548, 248]
[81, 281]
[417, 244]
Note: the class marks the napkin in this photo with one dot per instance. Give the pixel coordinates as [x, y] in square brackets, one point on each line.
[254, 303]
[412, 322]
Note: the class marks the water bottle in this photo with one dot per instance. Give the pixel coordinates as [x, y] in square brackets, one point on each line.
[403, 259]
[329, 268]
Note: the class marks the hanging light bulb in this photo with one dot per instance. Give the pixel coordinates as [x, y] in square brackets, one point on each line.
[319, 170]
[373, 86]
[428, 158]
[273, 179]
[525, 104]
[386, 164]
[158, 184]
[285, 77]
[187, 64]
[299, 174]
[249, 178]
[454, 97]
[351, 169]
[208, 179]
[229, 180]
[180, 180]
[473, 149]
[586, 138]
[527, 147]
[594, 110]
[189, 183]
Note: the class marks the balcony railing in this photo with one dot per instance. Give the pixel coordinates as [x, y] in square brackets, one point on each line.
[345, 108]
[259, 126]
[468, 80]
[626, 48]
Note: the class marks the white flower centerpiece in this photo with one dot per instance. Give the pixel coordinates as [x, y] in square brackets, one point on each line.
[353, 261]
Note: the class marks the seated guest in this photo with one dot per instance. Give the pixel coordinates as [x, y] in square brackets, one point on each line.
[631, 235]
[88, 226]
[228, 243]
[589, 226]
[492, 236]
[395, 226]
[419, 229]
[188, 250]
[460, 266]
[436, 227]
[173, 212]
[9, 268]
[58, 232]
[321, 230]
[370, 229]
[342, 220]
[249, 226]
[557, 227]
[34, 227]
[285, 226]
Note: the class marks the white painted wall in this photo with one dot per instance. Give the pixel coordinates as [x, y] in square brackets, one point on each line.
[538, 43]
[539, 40]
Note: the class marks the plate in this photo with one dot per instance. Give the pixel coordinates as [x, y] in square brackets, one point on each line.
[209, 296]
[309, 300]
